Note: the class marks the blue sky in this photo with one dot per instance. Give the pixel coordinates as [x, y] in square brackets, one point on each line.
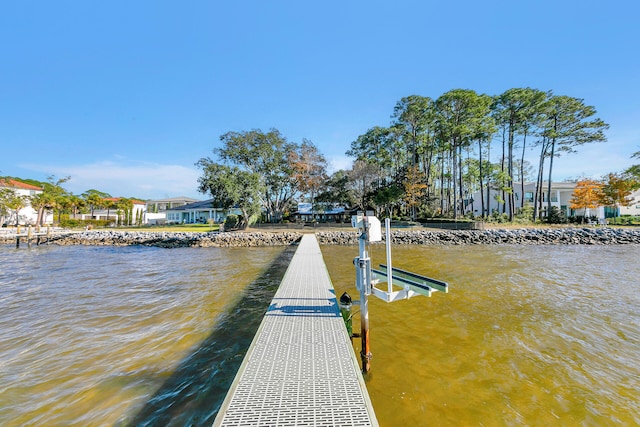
[125, 97]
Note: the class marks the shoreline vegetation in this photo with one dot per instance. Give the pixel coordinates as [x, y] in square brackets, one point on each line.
[498, 236]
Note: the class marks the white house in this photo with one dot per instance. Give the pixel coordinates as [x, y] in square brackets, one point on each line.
[139, 210]
[561, 194]
[634, 208]
[157, 209]
[198, 212]
[26, 215]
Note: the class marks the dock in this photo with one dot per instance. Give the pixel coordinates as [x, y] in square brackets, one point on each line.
[30, 234]
[301, 369]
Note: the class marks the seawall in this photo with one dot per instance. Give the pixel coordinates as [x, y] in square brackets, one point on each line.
[171, 239]
[523, 236]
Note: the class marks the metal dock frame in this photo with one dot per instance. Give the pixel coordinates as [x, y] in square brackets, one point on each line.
[301, 369]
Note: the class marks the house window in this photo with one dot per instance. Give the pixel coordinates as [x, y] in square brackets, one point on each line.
[528, 196]
[554, 197]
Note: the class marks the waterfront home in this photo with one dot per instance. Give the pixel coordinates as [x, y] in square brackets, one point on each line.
[560, 195]
[198, 212]
[139, 210]
[333, 213]
[27, 215]
[157, 209]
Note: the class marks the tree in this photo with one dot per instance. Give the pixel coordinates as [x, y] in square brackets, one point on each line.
[110, 203]
[230, 186]
[587, 195]
[375, 146]
[56, 196]
[362, 177]
[95, 199]
[309, 169]
[76, 203]
[517, 109]
[414, 115]
[617, 190]
[634, 170]
[414, 189]
[10, 200]
[567, 124]
[4, 209]
[336, 190]
[267, 156]
[461, 115]
[40, 202]
[124, 209]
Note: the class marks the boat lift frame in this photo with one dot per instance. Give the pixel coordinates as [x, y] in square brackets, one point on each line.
[367, 278]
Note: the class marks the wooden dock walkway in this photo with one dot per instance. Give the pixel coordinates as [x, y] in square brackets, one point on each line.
[301, 369]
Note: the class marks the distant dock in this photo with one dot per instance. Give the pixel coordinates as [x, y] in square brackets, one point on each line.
[31, 235]
[300, 369]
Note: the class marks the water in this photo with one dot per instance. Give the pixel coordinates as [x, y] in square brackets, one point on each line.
[94, 336]
[530, 335]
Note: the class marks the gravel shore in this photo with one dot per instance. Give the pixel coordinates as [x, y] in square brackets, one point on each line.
[523, 236]
[171, 239]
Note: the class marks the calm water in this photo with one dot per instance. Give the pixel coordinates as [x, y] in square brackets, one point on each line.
[144, 336]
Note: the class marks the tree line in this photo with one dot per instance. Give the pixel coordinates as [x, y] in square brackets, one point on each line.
[55, 199]
[429, 161]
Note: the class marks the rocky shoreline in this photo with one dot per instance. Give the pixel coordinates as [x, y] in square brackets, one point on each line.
[523, 236]
[169, 239]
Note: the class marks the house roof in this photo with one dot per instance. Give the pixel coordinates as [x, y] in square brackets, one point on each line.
[12, 183]
[173, 199]
[203, 204]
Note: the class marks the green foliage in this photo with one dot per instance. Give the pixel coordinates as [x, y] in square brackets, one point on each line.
[77, 223]
[556, 216]
[231, 187]
[266, 155]
[231, 222]
[625, 220]
[524, 215]
[497, 217]
[336, 190]
[443, 220]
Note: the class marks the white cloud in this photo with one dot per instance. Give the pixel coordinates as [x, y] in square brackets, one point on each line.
[339, 162]
[127, 178]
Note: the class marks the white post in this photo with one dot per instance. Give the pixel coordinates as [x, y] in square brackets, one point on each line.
[387, 234]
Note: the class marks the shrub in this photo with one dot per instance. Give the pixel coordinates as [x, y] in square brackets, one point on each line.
[556, 216]
[78, 223]
[231, 222]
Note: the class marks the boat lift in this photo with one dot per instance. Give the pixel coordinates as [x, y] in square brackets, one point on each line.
[367, 278]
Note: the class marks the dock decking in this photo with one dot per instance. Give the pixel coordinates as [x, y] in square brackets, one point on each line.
[300, 369]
